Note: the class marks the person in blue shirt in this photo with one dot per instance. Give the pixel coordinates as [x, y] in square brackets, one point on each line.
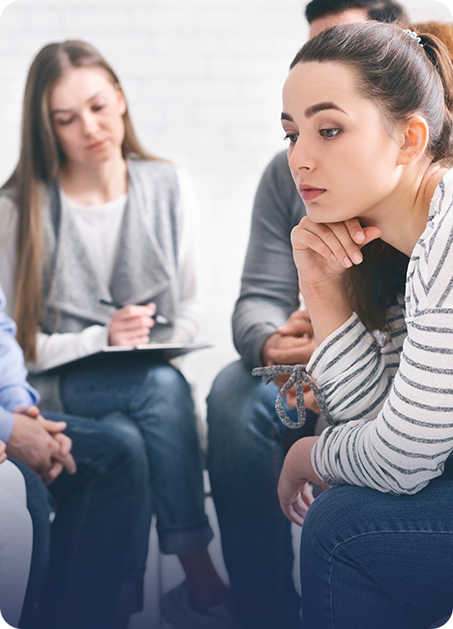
[94, 487]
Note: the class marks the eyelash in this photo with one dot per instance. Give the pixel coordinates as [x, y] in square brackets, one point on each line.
[95, 108]
[292, 137]
[329, 138]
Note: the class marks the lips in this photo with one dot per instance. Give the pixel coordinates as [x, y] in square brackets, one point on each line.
[308, 193]
[96, 145]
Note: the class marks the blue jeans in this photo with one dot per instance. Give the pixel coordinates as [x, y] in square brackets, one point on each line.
[378, 561]
[150, 404]
[89, 538]
[247, 445]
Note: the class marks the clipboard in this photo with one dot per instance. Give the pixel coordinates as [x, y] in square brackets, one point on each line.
[150, 351]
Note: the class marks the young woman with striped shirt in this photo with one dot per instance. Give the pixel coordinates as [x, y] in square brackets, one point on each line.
[367, 112]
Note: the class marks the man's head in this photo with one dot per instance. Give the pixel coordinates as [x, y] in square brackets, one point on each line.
[322, 14]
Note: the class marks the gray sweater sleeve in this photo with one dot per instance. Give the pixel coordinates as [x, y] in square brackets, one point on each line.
[269, 288]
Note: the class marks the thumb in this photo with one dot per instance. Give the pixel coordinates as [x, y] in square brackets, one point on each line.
[371, 233]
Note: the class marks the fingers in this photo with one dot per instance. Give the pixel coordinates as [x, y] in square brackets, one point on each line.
[336, 242]
[64, 456]
[296, 510]
[52, 427]
[65, 443]
[306, 494]
[67, 461]
[30, 411]
[131, 325]
[291, 397]
[298, 324]
[299, 354]
[52, 473]
[134, 324]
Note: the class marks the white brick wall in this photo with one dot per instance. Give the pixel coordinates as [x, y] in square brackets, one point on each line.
[203, 80]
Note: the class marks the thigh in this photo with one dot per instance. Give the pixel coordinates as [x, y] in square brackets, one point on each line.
[98, 450]
[105, 386]
[368, 557]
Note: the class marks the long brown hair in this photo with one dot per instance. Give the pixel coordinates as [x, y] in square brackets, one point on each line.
[402, 76]
[39, 163]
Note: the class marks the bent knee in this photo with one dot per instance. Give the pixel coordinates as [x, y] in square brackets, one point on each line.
[168, 379]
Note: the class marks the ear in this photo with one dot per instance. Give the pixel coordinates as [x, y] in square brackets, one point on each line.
[414, 140]
[121, 99]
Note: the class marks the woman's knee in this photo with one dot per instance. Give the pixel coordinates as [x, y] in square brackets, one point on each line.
[335, 515]
[127, 441]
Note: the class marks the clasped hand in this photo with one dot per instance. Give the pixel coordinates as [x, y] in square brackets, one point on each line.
[292, 344]
[40, 444]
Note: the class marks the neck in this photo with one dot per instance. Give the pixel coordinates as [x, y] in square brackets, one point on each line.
[95, 184]
[403, 217]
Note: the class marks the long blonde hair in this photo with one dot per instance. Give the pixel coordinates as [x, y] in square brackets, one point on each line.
[39, 163]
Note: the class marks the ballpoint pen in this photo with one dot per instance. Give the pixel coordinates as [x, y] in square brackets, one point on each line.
[157, 317]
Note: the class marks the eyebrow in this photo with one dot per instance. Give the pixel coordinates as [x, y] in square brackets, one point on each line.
[315, 109]
[68, 111]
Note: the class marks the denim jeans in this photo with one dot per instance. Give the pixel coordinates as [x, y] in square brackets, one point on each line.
[247, 445]
[95, 511]
[150, 404]
[375, 561]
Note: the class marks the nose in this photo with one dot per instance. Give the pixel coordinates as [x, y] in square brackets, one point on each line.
[298, 156]
[89, 123]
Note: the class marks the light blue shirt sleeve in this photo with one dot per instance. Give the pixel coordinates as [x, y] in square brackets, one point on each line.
[6, 424]
[14, 388]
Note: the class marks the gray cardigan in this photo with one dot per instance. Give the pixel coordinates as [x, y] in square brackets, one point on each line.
[145, 266]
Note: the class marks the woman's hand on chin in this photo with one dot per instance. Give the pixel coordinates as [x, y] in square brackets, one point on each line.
[323, 251]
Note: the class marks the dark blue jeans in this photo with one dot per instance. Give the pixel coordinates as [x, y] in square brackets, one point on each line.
[375, 561]
[247, 445]
[150, 405]
[89, 538]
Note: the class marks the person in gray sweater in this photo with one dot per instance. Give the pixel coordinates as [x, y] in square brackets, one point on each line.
[247, 442]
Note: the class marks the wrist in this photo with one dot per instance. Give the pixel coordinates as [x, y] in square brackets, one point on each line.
[328, 306]
[269, 342]
[298, 464]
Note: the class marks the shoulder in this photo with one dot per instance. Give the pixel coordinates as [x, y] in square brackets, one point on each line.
[277, 191]
[149, 170]
[432, 258]
[278, 171]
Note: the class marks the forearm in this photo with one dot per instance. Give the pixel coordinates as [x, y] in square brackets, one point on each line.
[297, 466]
[57, 349]
[328, 306]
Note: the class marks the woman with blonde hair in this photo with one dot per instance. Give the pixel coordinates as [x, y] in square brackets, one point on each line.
[97, 240]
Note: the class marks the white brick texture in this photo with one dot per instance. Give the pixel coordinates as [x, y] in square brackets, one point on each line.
[203, 79]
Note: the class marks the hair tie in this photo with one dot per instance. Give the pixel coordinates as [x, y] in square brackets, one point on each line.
[413, 34]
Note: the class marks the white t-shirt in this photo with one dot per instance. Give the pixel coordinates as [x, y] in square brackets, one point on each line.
[99, 227]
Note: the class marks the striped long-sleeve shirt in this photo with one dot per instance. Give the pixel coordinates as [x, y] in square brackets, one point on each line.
[392, 404]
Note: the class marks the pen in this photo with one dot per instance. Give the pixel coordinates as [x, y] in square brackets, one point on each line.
[157, 317]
